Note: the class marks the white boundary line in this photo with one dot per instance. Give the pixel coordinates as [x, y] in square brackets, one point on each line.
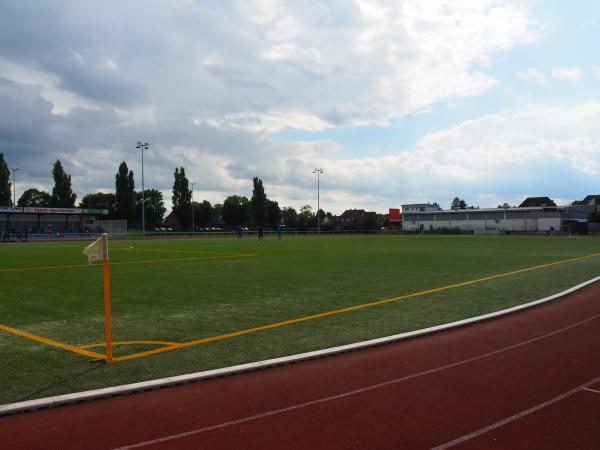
[371, 388]
[592, 390]
[49, 402]
[500, 423]
[353, 392]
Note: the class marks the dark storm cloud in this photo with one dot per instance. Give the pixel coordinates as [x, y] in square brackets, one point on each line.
[104, 86]
[24, 115]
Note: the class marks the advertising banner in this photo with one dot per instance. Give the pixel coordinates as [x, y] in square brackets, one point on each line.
[33, 210]
[10, 209]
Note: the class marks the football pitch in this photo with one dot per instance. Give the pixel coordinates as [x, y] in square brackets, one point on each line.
[188, 305]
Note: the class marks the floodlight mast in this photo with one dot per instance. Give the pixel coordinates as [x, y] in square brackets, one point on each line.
[318, 172]
[193, 227]
[14, 171]
[143, 147]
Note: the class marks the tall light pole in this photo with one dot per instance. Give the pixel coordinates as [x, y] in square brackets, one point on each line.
[318, 172]
[193, 228]
[14, 171]
[143, 147]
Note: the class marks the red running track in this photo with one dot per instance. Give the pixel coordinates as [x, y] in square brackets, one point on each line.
[528, 380]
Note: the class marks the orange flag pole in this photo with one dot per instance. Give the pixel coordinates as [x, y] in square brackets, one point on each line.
[107, 325]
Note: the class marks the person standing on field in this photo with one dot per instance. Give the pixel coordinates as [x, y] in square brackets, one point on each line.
[261, 236]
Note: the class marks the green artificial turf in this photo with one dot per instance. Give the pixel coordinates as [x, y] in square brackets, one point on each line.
[160, 294]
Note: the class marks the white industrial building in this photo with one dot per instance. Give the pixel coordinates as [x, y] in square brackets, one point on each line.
[492, 220]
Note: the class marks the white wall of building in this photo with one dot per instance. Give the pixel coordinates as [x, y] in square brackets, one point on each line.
[477, 223]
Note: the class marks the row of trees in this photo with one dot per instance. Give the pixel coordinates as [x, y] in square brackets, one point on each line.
[126, 203]
[62, 195]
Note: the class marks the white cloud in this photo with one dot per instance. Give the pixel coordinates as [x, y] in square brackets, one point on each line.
[533, 134]
[49, 84]
[375, 60]
[478, 158]
[533, 76]
[109, 64]
[266, 123]
[568, 73]
[349, 63]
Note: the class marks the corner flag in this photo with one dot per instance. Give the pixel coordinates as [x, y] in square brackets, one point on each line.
[98, 251]
[95, 251]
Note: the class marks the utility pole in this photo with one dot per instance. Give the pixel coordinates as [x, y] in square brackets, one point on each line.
[193, 227]
[14, 171]
[318, 172]
[143, 147]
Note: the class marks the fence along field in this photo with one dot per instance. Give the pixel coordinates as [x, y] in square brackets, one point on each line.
[182, 306]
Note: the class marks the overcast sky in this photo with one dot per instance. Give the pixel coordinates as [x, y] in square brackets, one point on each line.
[397, 101]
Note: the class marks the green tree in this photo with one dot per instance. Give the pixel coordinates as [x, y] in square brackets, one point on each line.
[290, 217]
[62, 194]
[369, 222]
[202, 213]
[155, 207]
[35, 198]
[258, 203]
[328, 222]
[321, 215]
[235, 210]
[217, 211]
[458, 203]
[594, 217]
[5, 184]
[306, 218]
[182, 199]
[125, 195]
[273, 213]
[99, 200]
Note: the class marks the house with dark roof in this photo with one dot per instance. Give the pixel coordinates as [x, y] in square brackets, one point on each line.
[533, 202]
[356, 217]
[351, 216]
[591, 200]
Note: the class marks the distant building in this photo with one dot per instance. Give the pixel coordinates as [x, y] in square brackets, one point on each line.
[591, 200]
[540, 216]
[492, 220]
[395, 219]
[351, 216]
[420, 207]
[57, 222]
[530, 202]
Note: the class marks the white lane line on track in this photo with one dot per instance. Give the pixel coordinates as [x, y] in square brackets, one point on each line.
[359, 391]
[517, 416]
[592, 390]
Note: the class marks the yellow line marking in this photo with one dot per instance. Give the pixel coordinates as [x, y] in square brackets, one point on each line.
[191, 258]
[183, 251]
[102, 344]
[80, 244]
[347, 309]
[24, 269]
[173, 346]
[148, 353]
[50, 342]
[127, 247]
[117, 263]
